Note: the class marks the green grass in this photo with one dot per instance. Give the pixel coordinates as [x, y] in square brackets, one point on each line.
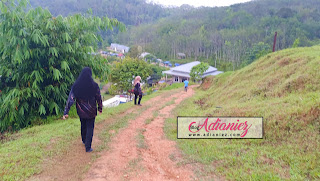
[168, 103]
[155, 114]
[21, 158]
[22, 153]
[140, 139]
[174, 86]
[134, 167]
[107, 96]
[149, 120]
[177, 86]
[284, 89]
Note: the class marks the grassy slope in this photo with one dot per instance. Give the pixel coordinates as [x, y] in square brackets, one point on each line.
[22, 155]
[284, 88]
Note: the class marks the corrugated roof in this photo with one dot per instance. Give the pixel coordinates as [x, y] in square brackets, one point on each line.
[185, 69]
[180, 74]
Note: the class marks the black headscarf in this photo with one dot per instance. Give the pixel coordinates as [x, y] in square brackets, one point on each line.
[85, 87]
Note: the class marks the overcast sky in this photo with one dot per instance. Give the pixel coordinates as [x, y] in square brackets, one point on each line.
[198, 3]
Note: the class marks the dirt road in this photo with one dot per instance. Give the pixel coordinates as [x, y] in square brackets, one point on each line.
[140, 151]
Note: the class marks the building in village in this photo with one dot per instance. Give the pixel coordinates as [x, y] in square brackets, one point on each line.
[182, 72]
[119, 48]
[144, 54]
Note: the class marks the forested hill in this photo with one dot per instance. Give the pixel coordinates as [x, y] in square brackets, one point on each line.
[231, 37]
[225, 37]
[130, 12]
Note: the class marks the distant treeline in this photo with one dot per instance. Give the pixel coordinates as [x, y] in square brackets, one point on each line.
[226, 37]
[129, 12]
[230, 37]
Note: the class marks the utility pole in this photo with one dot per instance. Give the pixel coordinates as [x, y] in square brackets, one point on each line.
[274, 42]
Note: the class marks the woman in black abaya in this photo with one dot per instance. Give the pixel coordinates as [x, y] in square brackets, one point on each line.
[87, 95]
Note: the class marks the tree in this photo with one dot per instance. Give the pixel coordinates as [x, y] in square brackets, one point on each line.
[134, 51]
[198, 70]
[124, 72]
[150, 58]
[285, 13]
[296, 43]
[156, 72]
[41, 56]
[131, 12]
[258, 50]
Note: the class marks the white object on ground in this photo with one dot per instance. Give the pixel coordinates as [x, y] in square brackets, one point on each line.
[113, 102]
[116, 100]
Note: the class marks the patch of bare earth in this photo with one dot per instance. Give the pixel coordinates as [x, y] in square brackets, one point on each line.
[161, 156]
[138, 152]
[157, 160]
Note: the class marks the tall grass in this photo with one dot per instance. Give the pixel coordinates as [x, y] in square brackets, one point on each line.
[282, 87]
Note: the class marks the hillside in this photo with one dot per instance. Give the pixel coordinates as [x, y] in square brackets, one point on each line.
[284, 89]
[226, 37]
[133, 12]
[230, 37]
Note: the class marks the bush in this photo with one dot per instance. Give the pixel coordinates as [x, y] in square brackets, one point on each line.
[113, 90]
[149, 90]
[41, 57]
[162, 86]
[124, 72]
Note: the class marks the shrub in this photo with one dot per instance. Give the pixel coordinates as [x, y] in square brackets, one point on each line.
[41, 56]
